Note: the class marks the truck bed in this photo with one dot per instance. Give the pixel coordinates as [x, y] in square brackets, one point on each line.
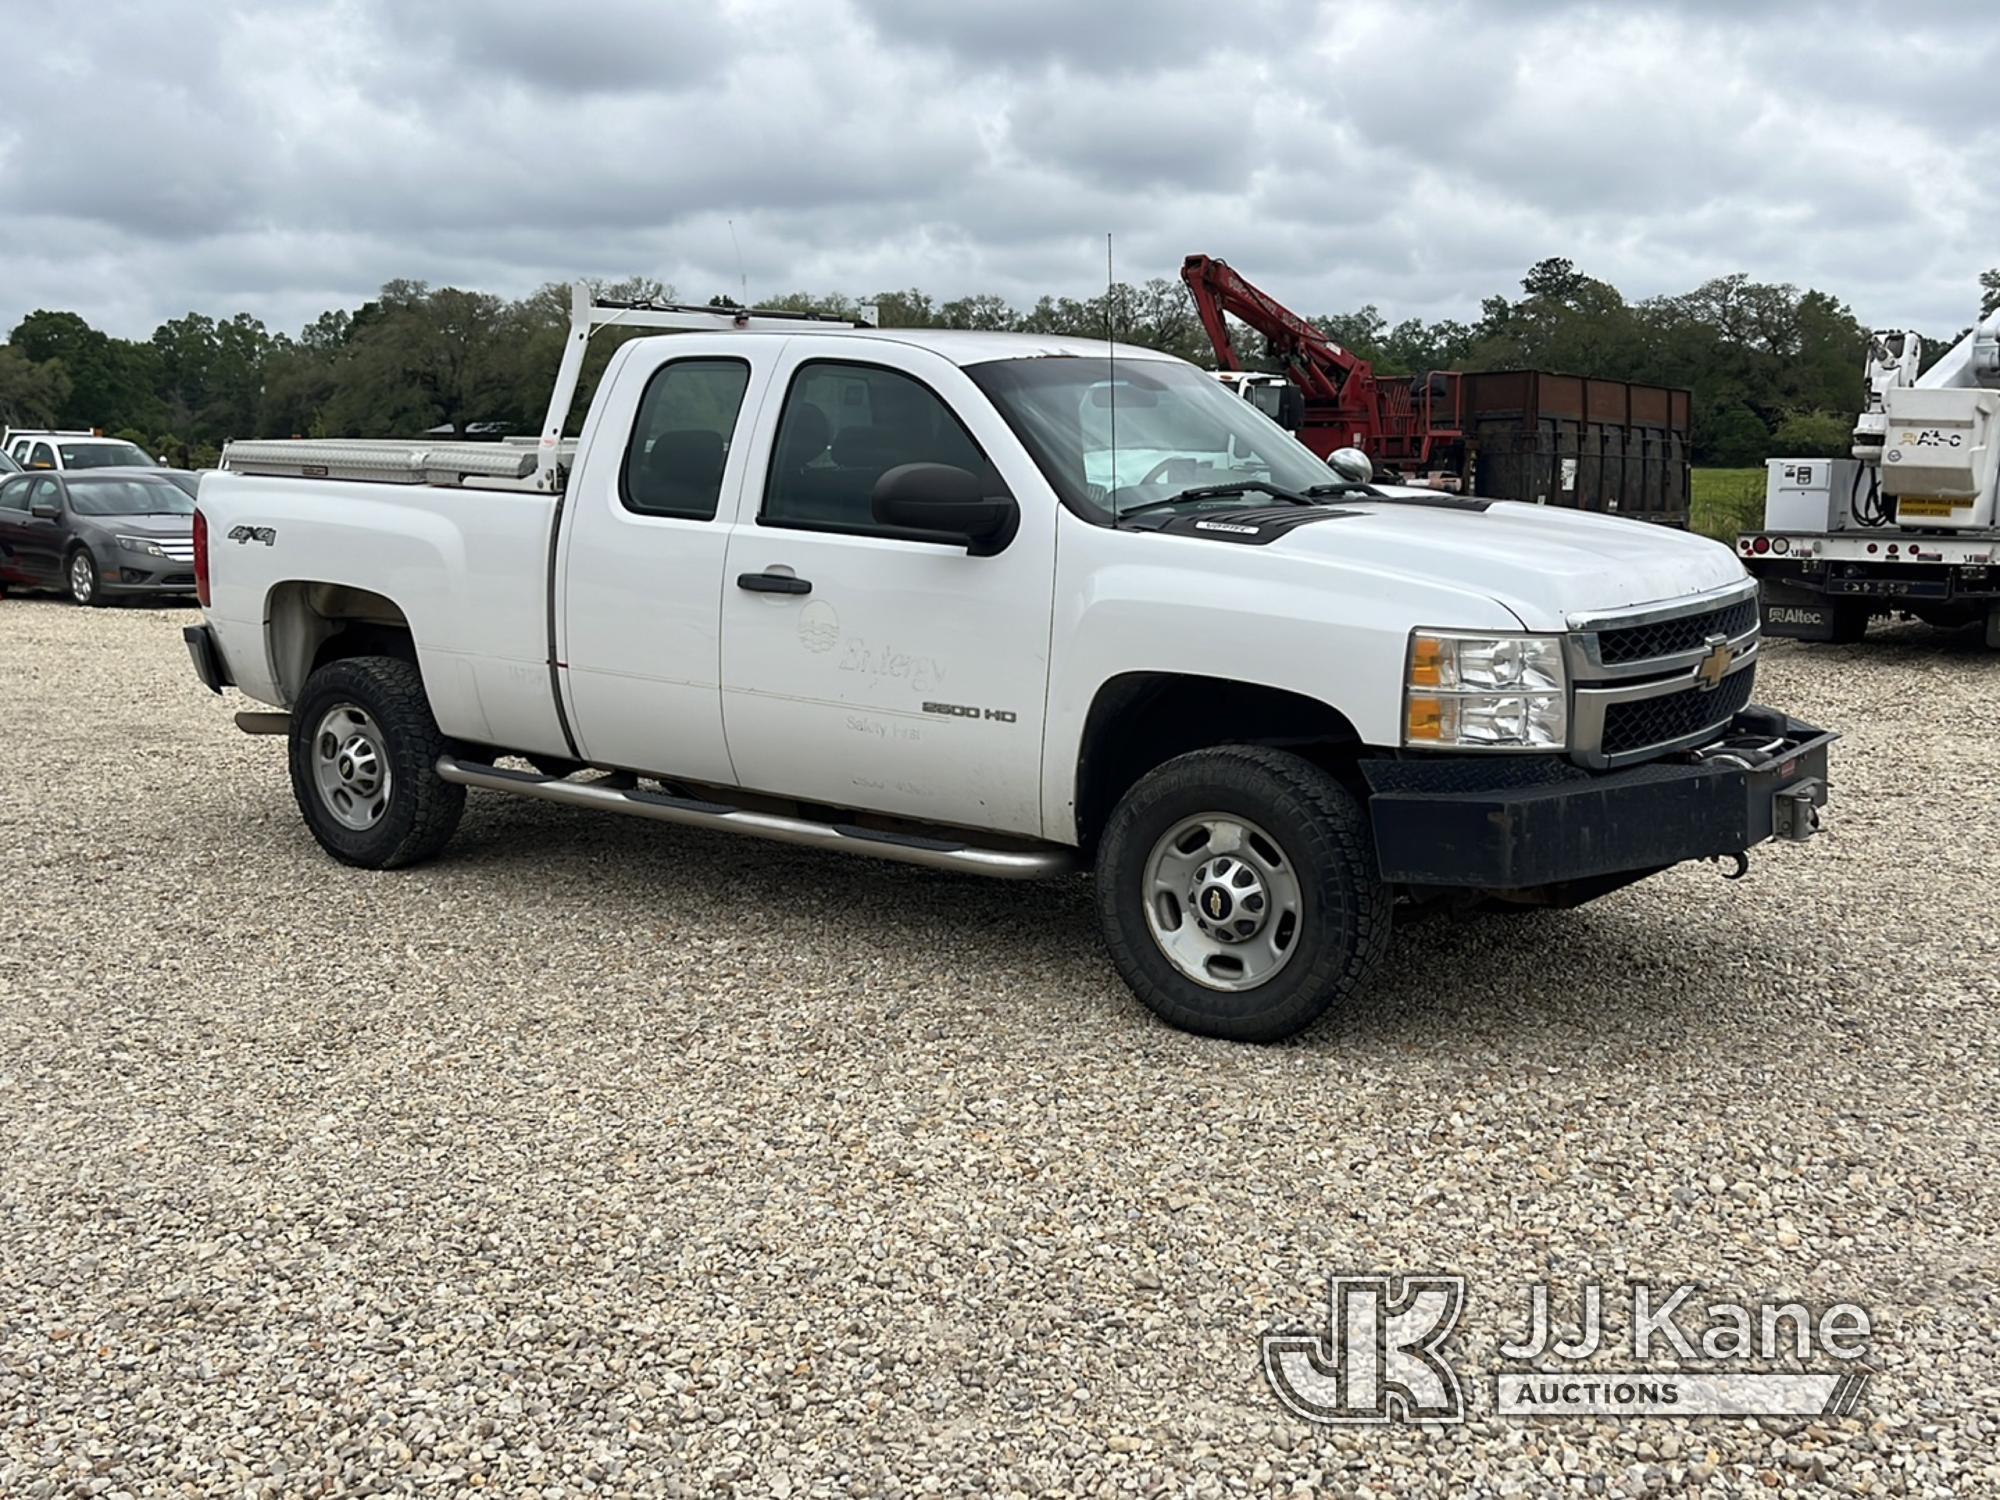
[468, 568]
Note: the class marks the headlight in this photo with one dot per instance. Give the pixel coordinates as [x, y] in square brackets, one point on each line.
[1486, 692]
[144, 546]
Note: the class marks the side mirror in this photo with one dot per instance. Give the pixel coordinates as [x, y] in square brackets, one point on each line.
[941, 502]
[41, 510]
[1291, 407]
[1352, 465]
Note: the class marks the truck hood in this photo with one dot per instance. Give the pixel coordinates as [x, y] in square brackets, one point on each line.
[161, 525]
[1542, 563]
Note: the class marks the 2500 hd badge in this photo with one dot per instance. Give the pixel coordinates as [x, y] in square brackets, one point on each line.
[969, 711]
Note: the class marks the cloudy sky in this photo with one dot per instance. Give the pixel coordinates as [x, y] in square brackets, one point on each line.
[284, 156]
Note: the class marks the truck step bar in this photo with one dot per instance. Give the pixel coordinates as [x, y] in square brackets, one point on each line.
[690, 812]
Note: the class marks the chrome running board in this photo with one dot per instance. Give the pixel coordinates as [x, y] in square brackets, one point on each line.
[691, 812]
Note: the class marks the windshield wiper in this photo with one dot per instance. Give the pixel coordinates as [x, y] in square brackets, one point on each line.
[1341, 487]
[1221, 492]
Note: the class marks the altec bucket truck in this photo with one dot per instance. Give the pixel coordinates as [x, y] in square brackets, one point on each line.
[1908, 521]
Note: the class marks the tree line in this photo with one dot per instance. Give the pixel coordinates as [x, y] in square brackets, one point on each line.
[1773, 369]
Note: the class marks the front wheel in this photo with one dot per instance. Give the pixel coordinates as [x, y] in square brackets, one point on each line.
[1237, 893]
[85, 586]
[364, 751]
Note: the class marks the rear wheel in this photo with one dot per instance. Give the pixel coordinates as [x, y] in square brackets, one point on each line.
[364, 750]
[1850, 621]
[1237, 893]
[1948, 616]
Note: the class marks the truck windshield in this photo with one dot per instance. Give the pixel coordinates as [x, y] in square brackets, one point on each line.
[107, 455]
[1175, 429]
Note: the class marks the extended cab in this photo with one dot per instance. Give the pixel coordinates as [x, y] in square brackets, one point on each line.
[1010, 605]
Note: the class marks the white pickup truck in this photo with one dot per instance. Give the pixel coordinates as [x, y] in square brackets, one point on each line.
[1008, 605]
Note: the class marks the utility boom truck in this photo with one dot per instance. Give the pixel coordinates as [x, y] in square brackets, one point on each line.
[1910, 520]
[1563, 440]
[1004, 605]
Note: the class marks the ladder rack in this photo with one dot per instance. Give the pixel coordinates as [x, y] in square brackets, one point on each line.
[523, 463]
[587, 315]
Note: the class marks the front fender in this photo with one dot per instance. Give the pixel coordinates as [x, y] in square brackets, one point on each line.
[1145, 602]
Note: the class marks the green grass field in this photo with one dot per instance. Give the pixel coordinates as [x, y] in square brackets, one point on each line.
[1726, 501]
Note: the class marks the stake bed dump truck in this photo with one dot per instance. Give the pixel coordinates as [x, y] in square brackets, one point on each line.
[1005, 605]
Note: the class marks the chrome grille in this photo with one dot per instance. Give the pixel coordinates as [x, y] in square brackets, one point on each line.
[1644, 722]
[1645, 681]
[1671, 637]
[179, 548]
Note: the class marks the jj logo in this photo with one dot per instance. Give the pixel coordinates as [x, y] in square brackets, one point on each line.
[1379, 1360]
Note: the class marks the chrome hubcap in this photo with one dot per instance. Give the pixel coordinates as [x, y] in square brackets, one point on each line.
[351, 767]
[1223, 901]
[81, 581]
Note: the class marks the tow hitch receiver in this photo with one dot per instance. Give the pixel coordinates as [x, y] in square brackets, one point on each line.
[1795, 810]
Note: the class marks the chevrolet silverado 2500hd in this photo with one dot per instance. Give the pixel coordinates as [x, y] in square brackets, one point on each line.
[1009, 605]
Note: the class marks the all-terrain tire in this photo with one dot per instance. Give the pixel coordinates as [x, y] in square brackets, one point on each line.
[1322, 838]
[420, 810]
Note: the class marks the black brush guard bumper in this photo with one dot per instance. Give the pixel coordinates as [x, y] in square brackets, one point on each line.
[1506, 823]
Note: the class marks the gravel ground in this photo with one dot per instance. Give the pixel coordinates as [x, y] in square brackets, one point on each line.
[600, 1158]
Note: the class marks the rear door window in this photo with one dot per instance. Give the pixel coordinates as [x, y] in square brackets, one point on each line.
[680, 439]
[43, 457]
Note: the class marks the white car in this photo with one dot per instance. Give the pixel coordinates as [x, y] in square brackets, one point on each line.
[911, 594]
[45, 449]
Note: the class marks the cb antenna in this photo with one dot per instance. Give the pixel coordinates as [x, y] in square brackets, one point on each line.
[742, 276]
[1111, 360]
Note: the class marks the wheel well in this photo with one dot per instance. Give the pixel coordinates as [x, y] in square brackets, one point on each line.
[310, 624]
[1144, 719]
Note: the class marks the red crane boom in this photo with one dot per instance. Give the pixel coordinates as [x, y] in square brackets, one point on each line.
[1411, 425]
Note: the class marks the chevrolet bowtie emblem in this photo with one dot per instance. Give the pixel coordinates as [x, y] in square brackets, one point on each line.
[1712, 668]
